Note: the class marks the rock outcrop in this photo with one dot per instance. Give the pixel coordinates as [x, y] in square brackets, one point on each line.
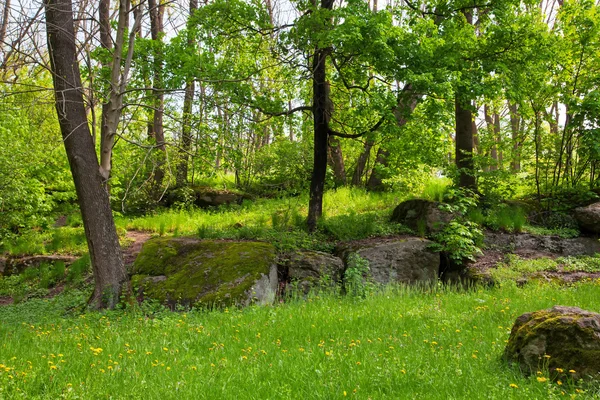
[309, 269]
[192, 272]
[398, 260]
[422, 216]
[561, 339]
[588, 218]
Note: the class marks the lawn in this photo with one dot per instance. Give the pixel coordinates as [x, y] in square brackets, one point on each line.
[398, 343]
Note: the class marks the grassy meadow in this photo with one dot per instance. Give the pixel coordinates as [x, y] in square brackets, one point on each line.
[400, 343]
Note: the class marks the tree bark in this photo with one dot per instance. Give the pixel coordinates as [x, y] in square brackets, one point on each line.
[464, 144]
[186, 128]
[361, 163]
[4, 23]
[156, 130]
[493, 124]
[336, 160]
[321, 105]
[515, 122]
[407, 102]
[103, 242]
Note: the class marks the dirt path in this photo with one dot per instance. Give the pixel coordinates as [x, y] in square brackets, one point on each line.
[130, 252]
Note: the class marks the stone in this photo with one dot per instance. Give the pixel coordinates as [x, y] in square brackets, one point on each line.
[588, 218]
[190, 272]
[309, 269]
[559, 339]
[527, 245]
[422, 216]
[16, 265]
[398, 260]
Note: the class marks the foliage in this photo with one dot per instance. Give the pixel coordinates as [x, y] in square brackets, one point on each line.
[515, 267]
[461, 240]
[356, 282]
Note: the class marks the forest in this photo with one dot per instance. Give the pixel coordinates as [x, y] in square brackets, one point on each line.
[177, 177]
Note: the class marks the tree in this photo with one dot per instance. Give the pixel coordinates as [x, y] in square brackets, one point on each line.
[103, 243]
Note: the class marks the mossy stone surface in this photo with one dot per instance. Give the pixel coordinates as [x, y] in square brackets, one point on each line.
[190, 272]
[560, 338]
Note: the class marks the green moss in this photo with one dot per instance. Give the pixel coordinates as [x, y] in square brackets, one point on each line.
[207, 272]
[562, 337]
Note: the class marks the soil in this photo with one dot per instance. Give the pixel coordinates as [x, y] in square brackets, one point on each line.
[137, 239]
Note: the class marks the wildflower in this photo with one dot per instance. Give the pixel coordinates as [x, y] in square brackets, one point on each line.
[558, 382]
[474, 355]
[546, 356]
[358, 363]
[165, 349]
[345, 394]
[541, 379]
[53, 367]
[514, 386]
[560, 370]
[572, 371]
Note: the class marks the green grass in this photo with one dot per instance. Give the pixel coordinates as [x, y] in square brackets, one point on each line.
[349, 213]
[399, 344]
[516, 268]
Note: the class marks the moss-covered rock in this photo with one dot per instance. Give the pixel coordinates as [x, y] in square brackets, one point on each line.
[310, 269]
[560, 339]
[191, 272]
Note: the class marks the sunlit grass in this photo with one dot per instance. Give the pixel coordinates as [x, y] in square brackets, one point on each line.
[402, 343]
[261, 213]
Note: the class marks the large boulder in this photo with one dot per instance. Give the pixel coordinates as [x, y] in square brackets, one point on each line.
[588, 218]
[192, 272]
[560, 339]
[529, 246]
[422, 216]
[309, 269]
[398, 260]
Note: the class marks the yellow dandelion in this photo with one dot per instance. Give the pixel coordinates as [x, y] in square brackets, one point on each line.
[560, 370]
[558, 382]
[572, 371]
[541, 379]
[53, 367]
[514, 386]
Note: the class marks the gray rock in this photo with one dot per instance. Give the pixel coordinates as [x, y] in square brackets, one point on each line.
[588, 218]
[190, 272]
[313, 268]
[422, 216]
[399, 260]
[560, 339]
[530, 246]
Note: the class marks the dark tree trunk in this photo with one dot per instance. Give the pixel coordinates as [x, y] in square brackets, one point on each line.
[321, 109]
[407, 102]
[336, 160]
[493, 124]
[186, 128]
[362, 163]
[464, 144]
[157, 131]
[103, 242]
[515, 128]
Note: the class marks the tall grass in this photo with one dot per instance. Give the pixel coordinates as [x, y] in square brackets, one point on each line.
[252, 219]
[399, 344]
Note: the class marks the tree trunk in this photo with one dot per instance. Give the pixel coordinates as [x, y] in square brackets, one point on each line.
[186, 128]
[103, 243]
[361, 163]
[407, 102]
[321, 108]
[515, 128]
[464, 144]
[156, 31]
[4, 23]
[493, 124]
[336, 160]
